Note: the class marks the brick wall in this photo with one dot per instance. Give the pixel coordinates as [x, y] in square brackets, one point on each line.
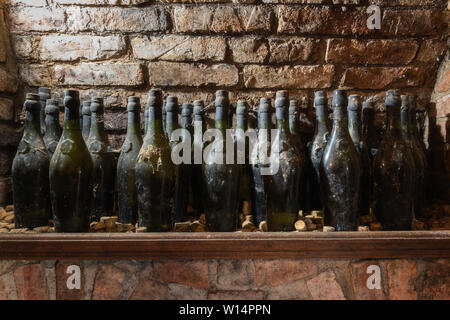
[227, 279]
[116, 48]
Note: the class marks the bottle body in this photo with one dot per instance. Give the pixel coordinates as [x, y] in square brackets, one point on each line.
[283, 192]
[221, 196]
[71, 173]
[318, 146]
[30, 169]
[393, 173]
[155, 172]
[340, 176]
[126, 165]
[103, 173]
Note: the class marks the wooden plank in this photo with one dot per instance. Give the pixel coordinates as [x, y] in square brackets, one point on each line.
[141, 246]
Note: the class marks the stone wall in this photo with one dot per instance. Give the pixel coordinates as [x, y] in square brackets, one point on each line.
[116, 48]
[226, 279]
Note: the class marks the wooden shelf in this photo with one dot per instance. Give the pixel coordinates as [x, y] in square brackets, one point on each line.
[270, 245]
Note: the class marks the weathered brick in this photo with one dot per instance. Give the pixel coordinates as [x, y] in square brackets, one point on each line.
[443, 84]
[25, 47]
[296, 1]
[179, 48]
[359, 275]
[236, 295]
[189, 273]
[108, 283]
[232, 274]
[412, 22]
[100, 2]
[293, 50]
[108, 74]
[431, 50]
[2, 52]
[179, 292]
[6, 159]
[8, 81]
[406, 2]
[321, 20]
[401, 276]
[117, 19]
[325, 287]
[8, 289]
[185, 74]
[23, 19]
[222, 19]
[296, 290]
[6, 109]
[74, 47]
[371, 51]
[149, 289]
[30, 282]
[33, 3]
[317, 76]
[36, 75]
[275, 272]
[383, 77]
[436, 280]
[443, 106]
[248, 50]
[5, 190]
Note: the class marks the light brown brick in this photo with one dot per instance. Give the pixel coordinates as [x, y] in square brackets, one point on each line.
[371, 51]
[108, 74]
[121, 19]
[179, 48]
[25, 19]
[248, 50]
[8, 81]
[317, 76]
[383, 77]
[6, 109]
[74, 47]
[294, 50]
[185, 74]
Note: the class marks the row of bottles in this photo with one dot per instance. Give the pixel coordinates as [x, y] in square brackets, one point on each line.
[72, 176]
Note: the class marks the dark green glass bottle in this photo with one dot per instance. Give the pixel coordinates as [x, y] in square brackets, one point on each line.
[30, 172]
[104, 164]
[319, 143]
[242, 147]
[393, 172]
[340, 172]
[44, 95]
[260, 160]
[71, 173]
[420, 158]
[221, 197]
[283, 192]
[296, 137]
[183, 193]
[164, 115]
[171, 117]
[197, 179]
[146, 118]
[354, 127]
[155, 172]
[368, 134]
[86, 112]
[126, 166]
[52, 128]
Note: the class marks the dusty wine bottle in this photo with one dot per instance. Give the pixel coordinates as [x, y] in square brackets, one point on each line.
[368, 129]
[283, 192]
[221, 196]
[319, 142]
[155, 172]
[171, 117]
[340, 173]
[126, 166]
[393, 172]
[86, 111]
[242, 158]
[354, 126]
[71, 173]
[104, 164]
[164, 115]
[30, 172]
[53, 130]
[44, 95]
[197, 180]
[260, 160]
[420, 158]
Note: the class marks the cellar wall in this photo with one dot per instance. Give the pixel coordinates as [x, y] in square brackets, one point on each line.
[227, 279]
[117, 48]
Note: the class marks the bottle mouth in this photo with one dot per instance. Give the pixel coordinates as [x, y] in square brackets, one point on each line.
[354, 103]
[282, 94]
[222, 93]
[171, 104]
[339, 98]
[72, 93]
[264, 105]
[32, 96]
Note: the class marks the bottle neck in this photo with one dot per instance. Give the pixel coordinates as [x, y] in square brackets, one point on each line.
[97, 126]
[221, 117]
[367, 130]
[322, 119]
[86, 122]
[294, 124]
[171, 122]
[134, 123]
[264, 120]
[33, 123]
[154, 126]
[354, 125]
[52, 125]
[393, 122]
[186, 122]
[413, 123]
[241, 122]
[71, 119]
